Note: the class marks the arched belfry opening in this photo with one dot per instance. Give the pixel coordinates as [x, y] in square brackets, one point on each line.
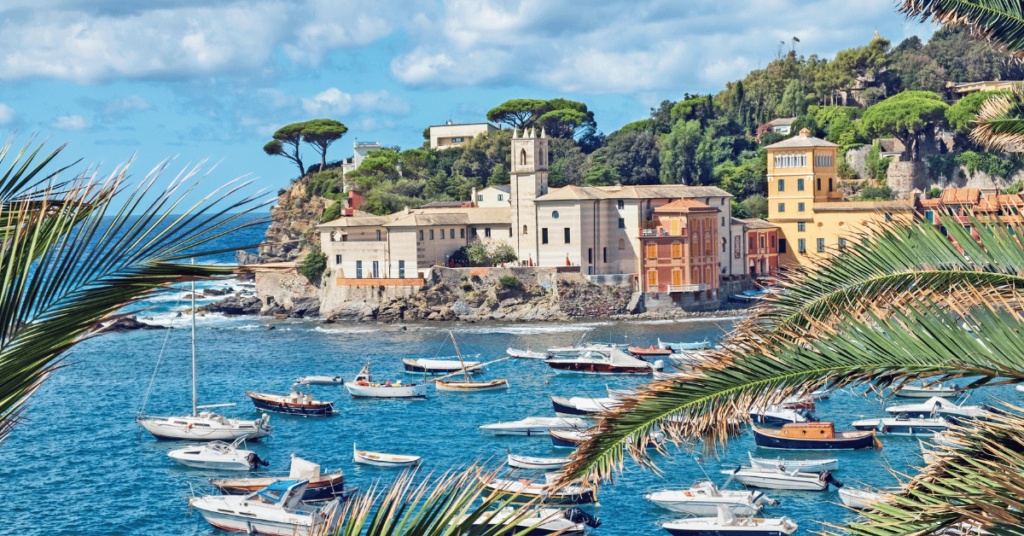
[522, 157]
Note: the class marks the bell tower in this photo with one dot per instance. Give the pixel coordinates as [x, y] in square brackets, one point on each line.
[529, 177]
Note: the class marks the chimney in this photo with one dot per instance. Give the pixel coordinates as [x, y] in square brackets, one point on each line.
[472, 199]
[406, 209]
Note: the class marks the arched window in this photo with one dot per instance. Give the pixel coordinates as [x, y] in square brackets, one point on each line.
[524, 229]
[622, 244]
[724, 243]
[522, 157]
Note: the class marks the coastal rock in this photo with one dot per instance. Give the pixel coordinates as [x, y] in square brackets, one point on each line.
[243, 258]
[392, 312]
[234, 305]
[305, 308]
[127, 323]
[215, 292]
[356, 311]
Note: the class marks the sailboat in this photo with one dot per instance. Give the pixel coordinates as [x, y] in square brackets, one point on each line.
[468, 385]
[203, 425]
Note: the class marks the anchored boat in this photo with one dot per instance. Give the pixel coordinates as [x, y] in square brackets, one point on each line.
[775, 478]
[603, 360]
[381, 459]
[295, 403]
[526, 354]
[537, 464]
[321, 380]
[583, 407]
[903, 425]
[813, 436]
[803, 466]
[921, 391]
[522, 490]
[321, 487]
[538, 522]
[703, 499]
[218, 455]
[276, 510]
[859, 499]
[364, 387]
[468, 385]
[940, 407]
[532, 426]
[778, 416]
[439, 366]
[727, 524]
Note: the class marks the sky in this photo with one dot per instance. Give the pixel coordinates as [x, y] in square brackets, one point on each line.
[211, 80]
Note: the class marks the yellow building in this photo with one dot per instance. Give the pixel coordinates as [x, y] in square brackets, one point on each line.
[805, 202]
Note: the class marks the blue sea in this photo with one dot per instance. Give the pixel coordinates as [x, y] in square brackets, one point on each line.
[81, 465]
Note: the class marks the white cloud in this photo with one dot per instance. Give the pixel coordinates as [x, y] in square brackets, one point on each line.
[119, 107]
[6, 114]
[336, 102]
[71, 122]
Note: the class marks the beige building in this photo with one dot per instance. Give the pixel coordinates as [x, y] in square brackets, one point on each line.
[454, 134]
[805, 202]
[493, 197]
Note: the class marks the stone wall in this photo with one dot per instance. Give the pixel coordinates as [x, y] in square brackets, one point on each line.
[282, 289]
[857, 158]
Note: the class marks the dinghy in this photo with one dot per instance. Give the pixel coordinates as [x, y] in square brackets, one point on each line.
[569, 439]
[581, 406]
[538, 522]
[680, 346]
[218, 455]
[726, 524]
[526, 354]
[276, 510]
[775, 478]
[803, 466]
[381, 459]
[920, 391]
[858, 499]
[703, 499]
[321, 380]
[813, 436]
[903, 425]
[468, 385]
[296, 403]
[532, 426]
[321, 487]
[528, 462]
[522, 490]
[439, 366]
[651, 351]
[364, 387]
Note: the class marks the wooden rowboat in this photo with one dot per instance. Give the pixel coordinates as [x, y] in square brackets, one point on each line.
[381, 459]
[471, 386]
[529, 462]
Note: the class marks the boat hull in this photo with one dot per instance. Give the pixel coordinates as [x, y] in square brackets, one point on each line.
[858, 500]
[768, 441]
[705, 507]
[917, 392]
[413, 367]
[536, 464]
[906, 429]
[770, 481]
[240, 464]
[166, 430]
[404, 391]
[596, 368]
[324, 409]
[471, 387]
[712, 530]
[803, 466]
[320, 488]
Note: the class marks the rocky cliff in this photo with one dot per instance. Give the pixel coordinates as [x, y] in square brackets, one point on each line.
[293, 224]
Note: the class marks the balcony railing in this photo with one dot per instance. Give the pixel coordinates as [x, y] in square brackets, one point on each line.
[661, 231]
[688, 288]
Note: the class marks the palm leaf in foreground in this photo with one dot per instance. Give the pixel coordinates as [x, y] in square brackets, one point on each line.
[69, 260]
[997, 21]
[1000, 124]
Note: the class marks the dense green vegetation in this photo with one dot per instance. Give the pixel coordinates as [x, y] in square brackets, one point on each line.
[869, 92]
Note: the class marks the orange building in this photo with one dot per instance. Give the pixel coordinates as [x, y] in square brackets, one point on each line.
[962, 203]
[678, 250]
[762, 247]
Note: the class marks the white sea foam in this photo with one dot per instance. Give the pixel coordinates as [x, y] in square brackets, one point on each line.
[531, 329]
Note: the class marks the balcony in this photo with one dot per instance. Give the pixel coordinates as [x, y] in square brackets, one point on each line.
[688, 288]
[652, 232]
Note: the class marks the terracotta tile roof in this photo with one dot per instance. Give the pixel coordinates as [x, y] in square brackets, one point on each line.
[801, 141]
[847, 206]
[995, 203]
[685, 205]
[757, 223]
[651, 191]
[960, 196]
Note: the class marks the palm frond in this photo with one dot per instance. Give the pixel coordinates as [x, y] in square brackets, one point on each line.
[68, 260]
[999, 22]
[1000, 124]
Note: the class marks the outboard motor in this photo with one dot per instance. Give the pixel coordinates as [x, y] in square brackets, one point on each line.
[579, 516]
[827, 477]
[807, 414]
[255, 461]
[659, 364]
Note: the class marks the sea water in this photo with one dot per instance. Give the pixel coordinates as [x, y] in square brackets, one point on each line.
[81, 465]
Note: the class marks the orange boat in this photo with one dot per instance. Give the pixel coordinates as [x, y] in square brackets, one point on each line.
[813, 436]
[652, 351]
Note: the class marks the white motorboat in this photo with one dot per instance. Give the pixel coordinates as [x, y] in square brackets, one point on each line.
[534, 426]
[578, 406]
[202, 425]
[218, 455]
[903, 425]
[321, 380]
[803, 466]
[704, 497]
[775, 478]
[381, 459]
[726, 524]
[567, 352]
[275, 510]
[522, 490]
[777, 416]
[529, 462]
[322, 486]
[680, 346]
[1020, 387]
[920, 391]
[858, 499]
[940, 441]
[364, 387]
[526, 354]
[439, 366]
[940, 407]
[539, 521]
[603, 360]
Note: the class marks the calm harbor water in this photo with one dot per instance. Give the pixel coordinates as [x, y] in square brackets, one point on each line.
[82, 466]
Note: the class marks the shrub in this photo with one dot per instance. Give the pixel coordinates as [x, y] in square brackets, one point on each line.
[502, 252]
[509, 282]
[313, 265]
[332, 213]
[876, 193]
[935, 192]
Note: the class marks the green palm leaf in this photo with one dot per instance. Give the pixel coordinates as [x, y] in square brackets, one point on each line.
[1001, 121]
[69, 260]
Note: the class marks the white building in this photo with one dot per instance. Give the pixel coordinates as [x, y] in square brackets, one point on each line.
[454, 134]
[493, 197]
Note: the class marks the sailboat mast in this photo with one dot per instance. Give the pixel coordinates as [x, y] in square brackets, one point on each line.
[464, 373]
[193, 345]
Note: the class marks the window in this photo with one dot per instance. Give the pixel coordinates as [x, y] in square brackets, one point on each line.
[724, 244]
[801, 245]
[337, 259]
[652, 251]
[821, 245]
[487, 232]
[842, 243]
[378, 235]
[621, 204]
[462, 233]
[501, 197]
[622, 244]
[480, 197]
[888, 216]
[929, 215]
[762, 241]
[782, 245]
[524, 230]
[401, 269]
[652, 280]
[451, 234]
[773, 241]
[723, 221]
[751, 242]
[522, 157]
[782, 185]
[568, 235]
[554, 214]
[458, 140]
[830, 184]
[544, 235]
[431, 234]
[803, 160]
[590, 255]
[421, 234]
[737, 245]
[359, 269]
[677, 250]
[677, 277]
[799, 185]
[604, 254]
[376, 272]
[819, 183]
[782, 207]
[799, 207]
[801, 227]
[622, 223]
